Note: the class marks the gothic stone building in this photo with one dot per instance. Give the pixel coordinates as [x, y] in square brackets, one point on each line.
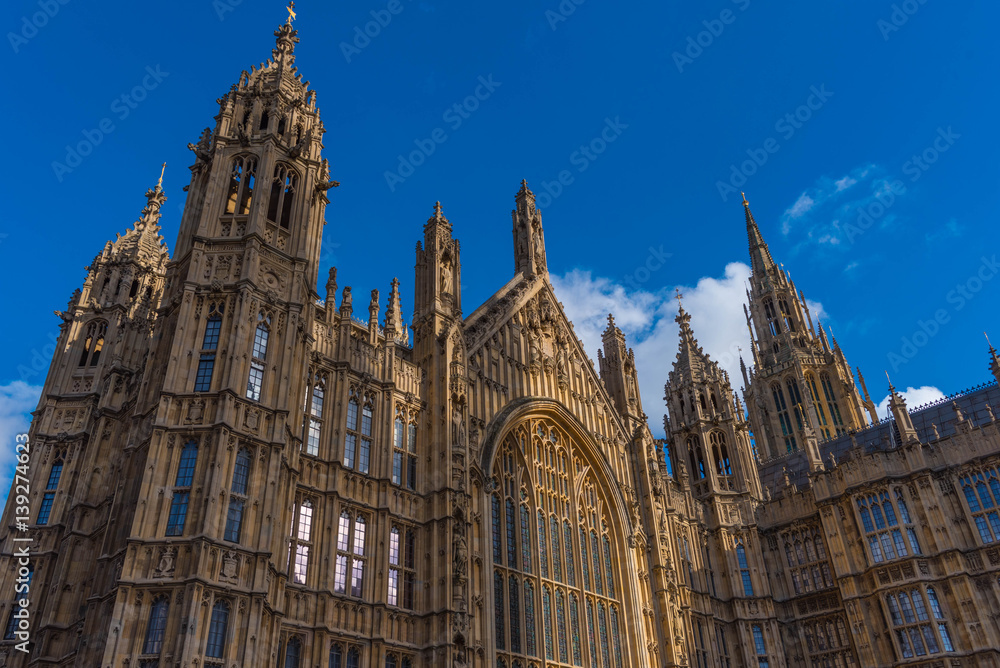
[228, 470]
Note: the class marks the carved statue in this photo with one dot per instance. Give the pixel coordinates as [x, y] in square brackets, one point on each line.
[458, 428]
[446, 279]
[461, 563]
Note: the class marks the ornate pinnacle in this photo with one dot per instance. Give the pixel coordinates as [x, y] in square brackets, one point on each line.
[154, 200]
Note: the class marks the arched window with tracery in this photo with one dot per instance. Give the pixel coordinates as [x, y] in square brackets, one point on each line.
[241, 184]
[545, 594]
[283, 185]
[720, 453]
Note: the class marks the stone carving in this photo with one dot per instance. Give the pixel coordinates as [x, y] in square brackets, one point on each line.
[166, 566]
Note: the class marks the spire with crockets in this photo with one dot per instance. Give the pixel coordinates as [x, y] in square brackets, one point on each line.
[801, 390]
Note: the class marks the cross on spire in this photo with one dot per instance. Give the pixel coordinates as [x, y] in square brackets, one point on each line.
[159, 184]
[291, 11]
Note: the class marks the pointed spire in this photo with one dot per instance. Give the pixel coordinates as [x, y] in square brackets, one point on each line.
[868, 403]
[287, 38]
[393, 312]
[994, 359]
[154, 200]
[438, 217]
[524, 196]
[760, 256]
[331, 291]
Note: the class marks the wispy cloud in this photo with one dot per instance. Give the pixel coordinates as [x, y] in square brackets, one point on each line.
[17, 400]
[824, 191]
[949, 230]
[715, 304]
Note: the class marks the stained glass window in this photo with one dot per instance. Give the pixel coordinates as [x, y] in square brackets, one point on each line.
[608, 566]
[543, 556]
[584, 560]
[590, 630]
[561, 625]
[515, 615]
[596, 551]
[615, 637]
[556, 552]
[574, 623]
[547, 620]
[529, 618]
[497, 547]
[525, 539]
[498, 608]
[568, 538]
[511, 541]
[602, 623]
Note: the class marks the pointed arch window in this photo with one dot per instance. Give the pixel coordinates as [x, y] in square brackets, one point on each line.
[525, 538]
[293, 653]
[818, 403]
[93, 343]
[697, 458]
[497, 544]
[238, 495]
[568, 540]
[831, 401]
[801, 419]
[241, 184]
[401, 567]
[786, 315]
[351, 438]
[741, 560]
[561, 626]
[723, 467]
[547, 622]
[15, 611]
[255, 379]
[543, 557]
[314, 419]
[515, 614]
[602, 626]
[209, 344]
[529, 618]
[217, 631]
[982, 493]
[156, 627]
[49, 497]
[301, 543]
[498, 613]
[404, 452]
[883, 532]
[783, 417]
[351, 557]
[760, 646]
[773, 323]
[182, 489]
[556, 551]
[283, 185]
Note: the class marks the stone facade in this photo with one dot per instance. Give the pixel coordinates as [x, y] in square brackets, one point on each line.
[228, 470]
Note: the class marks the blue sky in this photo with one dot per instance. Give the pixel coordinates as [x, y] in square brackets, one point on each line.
[819, 111]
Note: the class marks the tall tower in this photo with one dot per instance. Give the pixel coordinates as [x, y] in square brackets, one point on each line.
[529, 240]
[85, 466]
[706, 426]
[801, 390]
[221, 408]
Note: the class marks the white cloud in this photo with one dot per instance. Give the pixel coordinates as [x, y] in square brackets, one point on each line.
[844, 183]
[801, 207]
[914, 396]
[17, 400]
[647, 319]
[822, 200]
